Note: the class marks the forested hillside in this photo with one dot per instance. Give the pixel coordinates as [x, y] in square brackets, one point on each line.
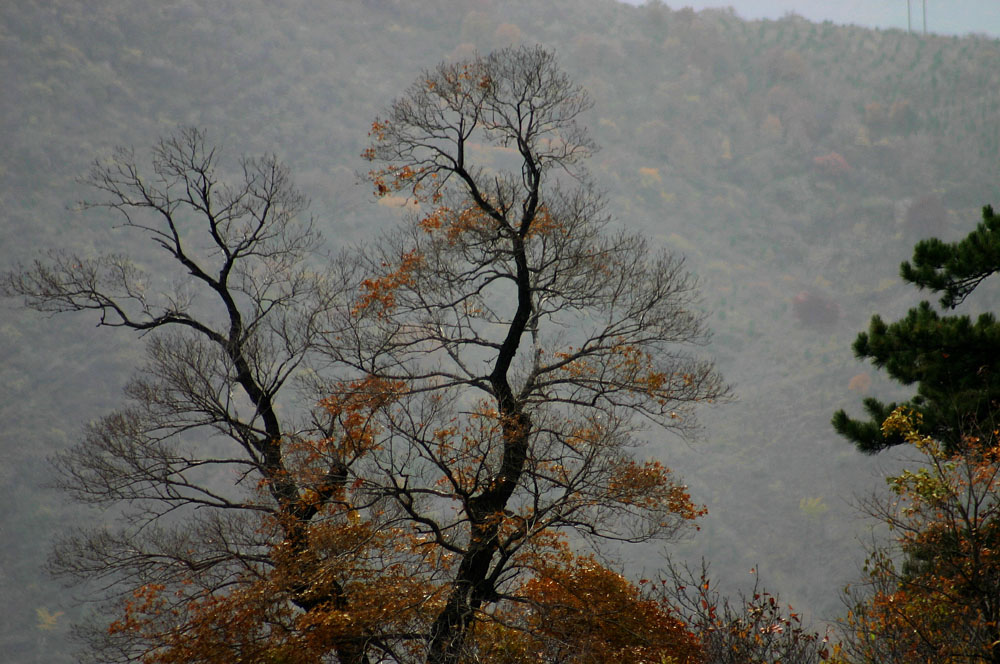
[793, 164]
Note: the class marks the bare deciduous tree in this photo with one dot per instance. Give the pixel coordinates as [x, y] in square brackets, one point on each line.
[533, 341]
[231, 316]
[752, 628]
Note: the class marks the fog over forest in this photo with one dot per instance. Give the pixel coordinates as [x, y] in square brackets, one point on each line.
[792, 164]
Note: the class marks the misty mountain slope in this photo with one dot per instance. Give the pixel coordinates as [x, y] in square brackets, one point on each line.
[793, 164]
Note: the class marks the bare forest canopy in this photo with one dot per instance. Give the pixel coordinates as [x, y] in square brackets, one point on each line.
[793, 164]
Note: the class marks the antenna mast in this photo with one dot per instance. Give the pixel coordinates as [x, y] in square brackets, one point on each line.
[909, 16]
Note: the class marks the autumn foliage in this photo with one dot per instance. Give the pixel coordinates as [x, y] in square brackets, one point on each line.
[941, 603]
[580, 612]
[483, 376]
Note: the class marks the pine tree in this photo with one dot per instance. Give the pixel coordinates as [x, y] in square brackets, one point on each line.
[952, 359]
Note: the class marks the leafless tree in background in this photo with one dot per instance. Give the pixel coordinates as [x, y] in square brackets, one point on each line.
[229, 319]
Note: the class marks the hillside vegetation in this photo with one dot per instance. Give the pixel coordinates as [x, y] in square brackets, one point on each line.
[794, 164]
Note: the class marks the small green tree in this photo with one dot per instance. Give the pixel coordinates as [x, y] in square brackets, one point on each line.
[953, 360]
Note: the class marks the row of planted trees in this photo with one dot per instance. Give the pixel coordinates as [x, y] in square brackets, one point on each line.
[415, 450]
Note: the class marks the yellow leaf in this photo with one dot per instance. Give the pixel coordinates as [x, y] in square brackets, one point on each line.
[46, 619]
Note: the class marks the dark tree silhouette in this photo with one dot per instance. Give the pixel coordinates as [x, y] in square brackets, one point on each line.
[230, 317]
[953, 360]
[509, 292]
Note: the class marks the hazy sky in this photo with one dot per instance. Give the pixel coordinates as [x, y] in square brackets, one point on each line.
[943, 16]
